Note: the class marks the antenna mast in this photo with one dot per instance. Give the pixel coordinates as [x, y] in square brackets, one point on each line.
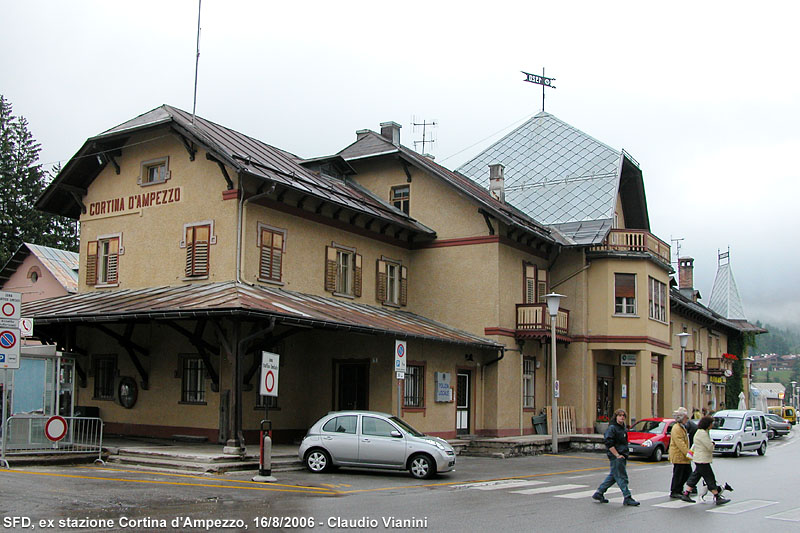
[677, 242]
[196, 61]
[424, 140]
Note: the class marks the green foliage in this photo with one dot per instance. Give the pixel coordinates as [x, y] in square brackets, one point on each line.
[737, 346]
[781, 341]
[22, 181]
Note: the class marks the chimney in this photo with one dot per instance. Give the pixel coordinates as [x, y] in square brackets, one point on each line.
[391, 130]
[360, 134]
[685, 273]
[496, 182]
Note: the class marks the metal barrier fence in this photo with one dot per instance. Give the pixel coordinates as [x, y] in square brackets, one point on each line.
[26, 435]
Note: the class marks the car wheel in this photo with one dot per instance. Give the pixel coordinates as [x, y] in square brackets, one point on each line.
[771, 434]
[658, 454]
[421, 466]
[318, 461]
[763, 448]
[737, 451]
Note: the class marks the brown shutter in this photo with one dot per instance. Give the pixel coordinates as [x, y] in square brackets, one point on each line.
[277, 257]
[189, 239]
[380, 285]
[91, 263]
[624, 285]
[541, 285]
[265, 264]
[330, 269]
[403, 286]
[357, 276]
[113, 261]
[530, 284]
[201, 246]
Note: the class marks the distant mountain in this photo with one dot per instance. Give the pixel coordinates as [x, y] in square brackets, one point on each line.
[782, 341]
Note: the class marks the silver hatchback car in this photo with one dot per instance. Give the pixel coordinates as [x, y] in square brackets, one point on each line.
[374, 440]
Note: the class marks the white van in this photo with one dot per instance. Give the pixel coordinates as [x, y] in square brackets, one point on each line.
[737, 431]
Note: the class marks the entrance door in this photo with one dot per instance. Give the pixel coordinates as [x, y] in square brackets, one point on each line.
[463, 395]
[66, 386]
[353, 386]
[605, 392]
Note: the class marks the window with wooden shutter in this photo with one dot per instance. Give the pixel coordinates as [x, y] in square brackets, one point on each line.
[198, 239]
[357, 276]
[541, 285]
[91, 263]
[271, 264]
[381, 281]
[108, 261]
[331, 256]
[403, 286]
[625, 294]
[529, 283]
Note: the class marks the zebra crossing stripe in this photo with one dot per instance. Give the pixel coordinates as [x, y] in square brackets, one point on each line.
[586, 493]
[640, 497]
[792, 515]
[674, 504]
[552, 488]
[742, 507]
[500, 484]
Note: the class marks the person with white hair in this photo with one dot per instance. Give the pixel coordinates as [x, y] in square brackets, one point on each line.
[679, 452]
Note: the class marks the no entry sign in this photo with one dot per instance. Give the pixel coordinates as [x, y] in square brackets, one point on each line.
[9, 309]
[400, 356]
[269, 374]
[55, 428]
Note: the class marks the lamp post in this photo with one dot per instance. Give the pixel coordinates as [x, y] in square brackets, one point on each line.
[748, 361]
[794, 396]
[553, 301]
[684, 338]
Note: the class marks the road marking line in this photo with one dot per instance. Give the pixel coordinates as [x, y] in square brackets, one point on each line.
[586, 493]
[742, 507]
[551, 488]
[792, 515]
[501, 484]
[640, 497]
[675, 504]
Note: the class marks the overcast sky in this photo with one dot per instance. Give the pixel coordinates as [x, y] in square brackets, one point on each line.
[704, 95]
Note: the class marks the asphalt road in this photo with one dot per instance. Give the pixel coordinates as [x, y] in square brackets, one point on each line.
[543, 493]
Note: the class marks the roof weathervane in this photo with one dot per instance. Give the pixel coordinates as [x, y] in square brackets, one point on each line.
[540, 80]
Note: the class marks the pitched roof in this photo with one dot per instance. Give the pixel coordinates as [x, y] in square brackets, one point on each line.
[725, 298]
[560, 176]
[372, 144]
[62, 264]
[231, 298]
[238, 151]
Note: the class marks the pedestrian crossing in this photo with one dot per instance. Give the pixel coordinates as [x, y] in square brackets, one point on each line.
[577, 491]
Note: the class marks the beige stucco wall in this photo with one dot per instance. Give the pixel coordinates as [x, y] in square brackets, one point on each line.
[151, 235]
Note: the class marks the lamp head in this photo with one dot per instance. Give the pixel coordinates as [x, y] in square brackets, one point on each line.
[684, 338]
[553, 301]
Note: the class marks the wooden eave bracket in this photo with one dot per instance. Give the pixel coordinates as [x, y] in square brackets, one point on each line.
[77, 194]
[189, 145]
[222, 169]
[265, 345]
[488, 221]
[202, 346]
[131, 347]
[406, 169]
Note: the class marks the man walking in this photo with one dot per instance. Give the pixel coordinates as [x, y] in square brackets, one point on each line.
[616, 440]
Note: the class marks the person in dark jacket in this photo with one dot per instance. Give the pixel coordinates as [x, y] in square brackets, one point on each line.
[616, 440]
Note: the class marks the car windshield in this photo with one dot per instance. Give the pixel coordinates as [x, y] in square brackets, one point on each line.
[729, 423]
[648, 426]
[406, 427]
[775, 418]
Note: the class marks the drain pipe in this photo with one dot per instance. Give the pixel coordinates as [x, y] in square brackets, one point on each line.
[240, 223]
[493, 361]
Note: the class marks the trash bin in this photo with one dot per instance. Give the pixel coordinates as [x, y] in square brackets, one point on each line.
[540, 424]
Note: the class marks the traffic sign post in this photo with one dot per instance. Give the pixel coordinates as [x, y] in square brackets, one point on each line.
[270, 363]
[400, 367]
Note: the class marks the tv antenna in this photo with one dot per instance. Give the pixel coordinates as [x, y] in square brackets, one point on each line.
[677, 242]
[539, 80]
[196, 61]
[424, 124]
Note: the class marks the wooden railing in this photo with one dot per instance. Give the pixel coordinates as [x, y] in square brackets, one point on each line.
[566, 419]
[634, 240]
[718, 365]
[534, 317]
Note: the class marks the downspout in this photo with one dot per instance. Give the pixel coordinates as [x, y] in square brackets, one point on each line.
[240, 223]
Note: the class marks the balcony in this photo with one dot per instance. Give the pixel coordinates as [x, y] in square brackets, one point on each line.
[720, 366]
[637, 241]
[693, 359]
[533, 321]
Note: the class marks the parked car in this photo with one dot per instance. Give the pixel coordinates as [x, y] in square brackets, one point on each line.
[786, 412]
[735, 431]
[649, 437]
[777, 426]
[374, 440]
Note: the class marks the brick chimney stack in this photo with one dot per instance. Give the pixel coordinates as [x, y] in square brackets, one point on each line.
[497, 182]
[686, 273]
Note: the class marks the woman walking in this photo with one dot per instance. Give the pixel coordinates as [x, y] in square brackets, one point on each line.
[703, 452]
[679, 452]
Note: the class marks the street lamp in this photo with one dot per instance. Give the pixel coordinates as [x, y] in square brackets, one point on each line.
[748, 361]
[553, 301]
[794, 396]
[684, 338]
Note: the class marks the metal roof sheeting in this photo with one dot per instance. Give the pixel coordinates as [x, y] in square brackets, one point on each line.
[230, 298]
[63, 265]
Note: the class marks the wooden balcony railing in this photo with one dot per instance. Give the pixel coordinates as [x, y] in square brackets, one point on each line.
[718, 365]
[693, 359]
[534, 318]
[634, 240]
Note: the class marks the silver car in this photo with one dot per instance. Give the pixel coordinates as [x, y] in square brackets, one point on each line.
[373, 440]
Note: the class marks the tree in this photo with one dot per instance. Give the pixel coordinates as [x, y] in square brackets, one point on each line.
[22, 181]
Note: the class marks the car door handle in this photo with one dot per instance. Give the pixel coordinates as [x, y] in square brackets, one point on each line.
[364, 440]
[327, 438]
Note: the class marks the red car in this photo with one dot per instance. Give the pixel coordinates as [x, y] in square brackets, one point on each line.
[649, 437]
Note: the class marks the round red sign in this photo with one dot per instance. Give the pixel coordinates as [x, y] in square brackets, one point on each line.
[55, 428]
[269, 381]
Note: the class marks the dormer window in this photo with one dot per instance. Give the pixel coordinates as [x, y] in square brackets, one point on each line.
[154, 171]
